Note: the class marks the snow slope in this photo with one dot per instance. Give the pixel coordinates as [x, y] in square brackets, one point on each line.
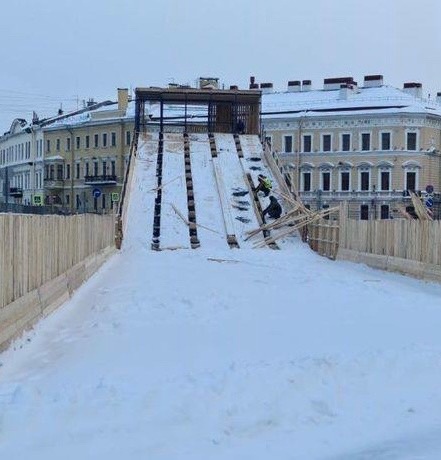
[211, 230]
[227, 354]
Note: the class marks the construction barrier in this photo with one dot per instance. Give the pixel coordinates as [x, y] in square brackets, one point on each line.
[43, 259]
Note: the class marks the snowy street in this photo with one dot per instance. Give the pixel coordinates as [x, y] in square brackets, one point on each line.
[227, 354]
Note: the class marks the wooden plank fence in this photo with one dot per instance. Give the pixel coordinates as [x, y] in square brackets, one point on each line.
[36, 249]
[323, 237]
[414, 240]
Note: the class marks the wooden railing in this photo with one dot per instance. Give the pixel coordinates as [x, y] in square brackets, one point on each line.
[36, 249]
[121, 218]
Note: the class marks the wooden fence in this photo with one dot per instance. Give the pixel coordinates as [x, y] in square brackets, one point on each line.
[36, 249]
[413, 240]
[323, 237]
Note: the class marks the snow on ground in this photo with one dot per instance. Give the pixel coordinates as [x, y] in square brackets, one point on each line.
[227, 354]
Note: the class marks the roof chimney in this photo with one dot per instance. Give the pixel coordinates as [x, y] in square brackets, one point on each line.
[123, 98]
[414, 89]
[306, 85]
[294, 86]
[346, 90]
[253, 84]
[438, 98]
[267, 88]
[335, 83]
[373, 81]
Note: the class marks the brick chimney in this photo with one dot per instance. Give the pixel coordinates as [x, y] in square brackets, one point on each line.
[294, 86]
[123, 98]
[253, 84]
[306, 85]
[335, 83]
[267, 88]
[373, 81]
[414, 89]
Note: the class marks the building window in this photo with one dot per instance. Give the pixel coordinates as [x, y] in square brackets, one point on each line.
[364, 180]
[68, 143]
[346, 142]
[77, 201]
[104, 200]
[365, 141]
[104, 139]
[87, 142]
[104, 167]
[87, 168]
[287, 140]
[326, 181]
[113, 139]
[411, 141]
[67, 199]
[345, 183]
[78, 142]
[59, 172]
[306, 179]
[68, 171]
[307, 143]
[128, 137]
[384, 211]
[411, 182]
[95, 168]
[326, 142]
[113, 168]
[385, 141]
[57, 145]
[96, 141]
[77, 166]
[364, 212]
[385, 181]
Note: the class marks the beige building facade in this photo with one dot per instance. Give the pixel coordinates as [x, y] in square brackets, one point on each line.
[85, 162]
[76, 161]
[369, 146]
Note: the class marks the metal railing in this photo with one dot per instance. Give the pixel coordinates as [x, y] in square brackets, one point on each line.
[100, 179]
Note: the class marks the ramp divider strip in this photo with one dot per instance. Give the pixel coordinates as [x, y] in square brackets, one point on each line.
[157, 210]
[192, 225]
[250, 184]
[224, 202]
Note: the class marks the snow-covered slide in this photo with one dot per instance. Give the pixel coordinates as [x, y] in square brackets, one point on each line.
[174, 208]
[232, 175]
[211, 229]
[142, 193]
[253, 156]
[254, 165]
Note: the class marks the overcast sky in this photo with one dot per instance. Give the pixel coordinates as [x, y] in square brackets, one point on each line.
[57, 51]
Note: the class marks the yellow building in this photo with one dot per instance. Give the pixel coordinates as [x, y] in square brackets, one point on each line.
[369, 144]
[85, 155]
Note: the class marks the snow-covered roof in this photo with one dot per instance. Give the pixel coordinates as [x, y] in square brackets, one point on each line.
[381, 99]
[87, 116]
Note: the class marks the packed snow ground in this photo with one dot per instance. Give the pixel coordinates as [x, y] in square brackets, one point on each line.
[227, 354]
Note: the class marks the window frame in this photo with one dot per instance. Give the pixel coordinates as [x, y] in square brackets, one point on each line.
[285, 138]
[322, 138]
[311, 146]
[342, 145]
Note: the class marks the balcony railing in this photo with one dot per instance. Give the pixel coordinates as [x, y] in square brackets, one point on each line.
[53, 183]
[16, 192]
[102, 179]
